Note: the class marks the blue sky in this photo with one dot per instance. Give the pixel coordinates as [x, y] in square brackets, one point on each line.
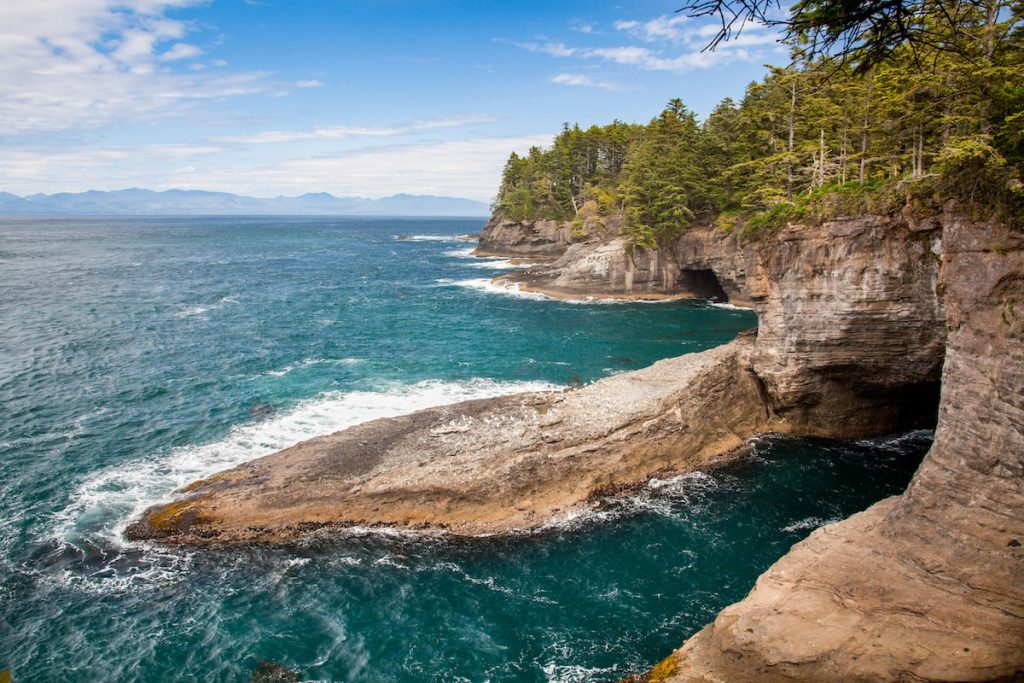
[352, 97]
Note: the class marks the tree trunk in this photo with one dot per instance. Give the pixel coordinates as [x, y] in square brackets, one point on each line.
[864, 136]
[821, 157]
[992, 8]
[792, 127]
[842, 156]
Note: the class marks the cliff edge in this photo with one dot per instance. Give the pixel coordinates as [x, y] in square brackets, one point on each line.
[929, 585]
[858, 320]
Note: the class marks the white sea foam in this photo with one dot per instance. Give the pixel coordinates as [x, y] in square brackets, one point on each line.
[684, 483]
[498, 264]
[105, 502]
[896, 442]
[483, 284]
[308, 362]
[658, 496]
[727, 306]
[461, 253]
[190, 311]
[571, 673]
[810, 523]
[514, 289]
[483, 262]
[432, 238]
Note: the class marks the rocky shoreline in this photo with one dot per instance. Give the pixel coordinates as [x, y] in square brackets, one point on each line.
[436, 468]
[480, 467]
[858, 320]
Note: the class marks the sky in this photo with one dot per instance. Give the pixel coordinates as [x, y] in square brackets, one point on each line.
[353, 97]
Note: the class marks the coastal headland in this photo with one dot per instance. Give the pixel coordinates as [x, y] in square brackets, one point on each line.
[863, 324]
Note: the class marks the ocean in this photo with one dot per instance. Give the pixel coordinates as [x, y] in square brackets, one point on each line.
[137, 355]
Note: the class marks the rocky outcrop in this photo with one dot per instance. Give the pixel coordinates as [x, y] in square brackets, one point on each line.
[853, 322]
[927, 586]
[851, 329]
[482, 466]
[611, 269]
[542, 239]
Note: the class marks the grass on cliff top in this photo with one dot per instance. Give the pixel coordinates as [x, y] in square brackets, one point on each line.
[922, 197]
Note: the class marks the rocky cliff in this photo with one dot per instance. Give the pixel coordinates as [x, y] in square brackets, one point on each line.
[927, 586]
[544, 239]
[853, 323]
[854, 316]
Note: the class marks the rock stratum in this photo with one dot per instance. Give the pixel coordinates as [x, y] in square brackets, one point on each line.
[859, 319]
[929, 585]
[482, 466]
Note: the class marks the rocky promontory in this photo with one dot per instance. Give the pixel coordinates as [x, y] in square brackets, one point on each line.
[483, 466]
[858, 321]
[849, 343]
[929, 585]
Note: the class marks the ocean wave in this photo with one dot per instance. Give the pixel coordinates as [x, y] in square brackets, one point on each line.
[192, 311]
[658, 496]
[483, 261]
[899, 442]
[497, 264]
[460, 253]
[431, 238]
[309, 362]
[483, 284]
[810, 523]
[104, 504]
[514, 289]
[573, 673]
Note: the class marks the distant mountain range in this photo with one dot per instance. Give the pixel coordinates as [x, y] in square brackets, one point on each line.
[137, 202]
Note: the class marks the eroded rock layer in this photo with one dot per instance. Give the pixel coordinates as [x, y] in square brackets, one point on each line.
[851, 327]
[545, 239]
[482, 466]
[852, 336]
[927, 586]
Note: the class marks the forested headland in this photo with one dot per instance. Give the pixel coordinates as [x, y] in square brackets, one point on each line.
[937, 121]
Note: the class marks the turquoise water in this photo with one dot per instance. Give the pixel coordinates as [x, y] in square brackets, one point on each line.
[139, 354]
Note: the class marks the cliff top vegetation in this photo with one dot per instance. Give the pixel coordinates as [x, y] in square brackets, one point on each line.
[823, 137]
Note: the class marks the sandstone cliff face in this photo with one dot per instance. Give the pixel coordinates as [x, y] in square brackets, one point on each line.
[927, 586]
[851, 323]
[609, 268]
[542, 238]
[524, 238]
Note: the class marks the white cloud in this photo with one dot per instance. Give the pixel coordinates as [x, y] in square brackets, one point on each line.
[461, 168]
[553, 49]
[660, 28]
[68, 64]
[185, 150]
[343, 132]
[582, 80]
[180, 51]
[662, 34]
[311, 83]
